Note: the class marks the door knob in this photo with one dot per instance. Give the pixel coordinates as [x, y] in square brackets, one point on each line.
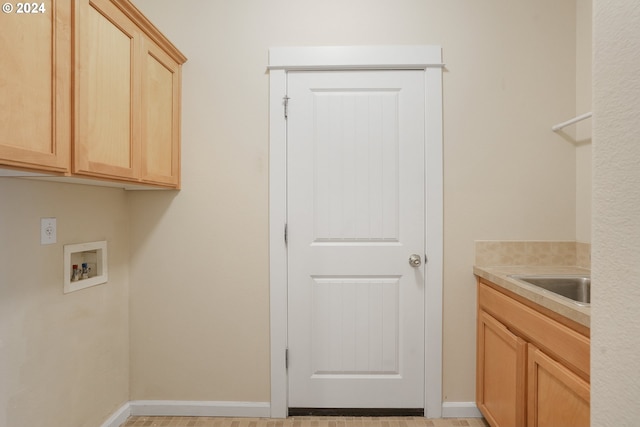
[415, 260]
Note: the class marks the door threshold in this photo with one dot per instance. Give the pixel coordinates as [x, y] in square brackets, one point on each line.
[356, 412]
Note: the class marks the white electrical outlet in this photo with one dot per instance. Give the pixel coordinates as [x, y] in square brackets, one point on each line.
[48, 231]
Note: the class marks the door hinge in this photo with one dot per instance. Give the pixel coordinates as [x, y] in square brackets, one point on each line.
[286, 106]
[286, 233]
[426, 260]
[286, 358]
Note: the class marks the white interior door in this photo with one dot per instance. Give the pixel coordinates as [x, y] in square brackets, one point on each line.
[355, 213]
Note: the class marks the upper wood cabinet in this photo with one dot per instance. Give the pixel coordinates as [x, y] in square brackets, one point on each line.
[125, 121]
[35, 88]
[128, 93]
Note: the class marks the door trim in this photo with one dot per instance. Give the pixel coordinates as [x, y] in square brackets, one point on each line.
[284, 59]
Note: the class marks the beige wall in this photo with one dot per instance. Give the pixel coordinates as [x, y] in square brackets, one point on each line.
[64, 359]
[615, 329]
[199, 297]
[583, 128]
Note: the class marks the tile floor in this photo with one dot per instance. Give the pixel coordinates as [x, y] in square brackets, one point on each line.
[138, 421]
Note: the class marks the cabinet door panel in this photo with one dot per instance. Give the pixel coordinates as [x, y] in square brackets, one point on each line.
[556, 396]
[501, 370]
[35, 88]
[160, 117]
[107, 93]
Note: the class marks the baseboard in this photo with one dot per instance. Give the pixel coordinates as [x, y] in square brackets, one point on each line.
[238, 409]
[119, 417]
[200, 408]
[460, 410]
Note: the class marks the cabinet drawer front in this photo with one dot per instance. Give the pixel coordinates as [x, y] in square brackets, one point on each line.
[556, 339]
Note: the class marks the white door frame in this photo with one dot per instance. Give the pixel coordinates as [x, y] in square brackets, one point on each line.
[283, 59]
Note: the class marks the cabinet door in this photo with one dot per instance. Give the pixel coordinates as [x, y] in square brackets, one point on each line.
[160, 161]
[35, 86]
[107, 140]
[556, 396]
[501, 371]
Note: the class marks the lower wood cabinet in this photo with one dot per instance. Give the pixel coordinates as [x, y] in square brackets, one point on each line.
[532, 370]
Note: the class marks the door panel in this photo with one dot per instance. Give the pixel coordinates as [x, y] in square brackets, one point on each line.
[107, 92]
[356, 165]
[355, 326]
[161, 116]
[501, 366]
[35, 88]
[550, 383]
[355, 215]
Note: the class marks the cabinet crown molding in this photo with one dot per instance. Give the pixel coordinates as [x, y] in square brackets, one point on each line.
[150, 30]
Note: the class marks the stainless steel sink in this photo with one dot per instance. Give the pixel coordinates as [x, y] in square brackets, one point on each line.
[575, 287]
